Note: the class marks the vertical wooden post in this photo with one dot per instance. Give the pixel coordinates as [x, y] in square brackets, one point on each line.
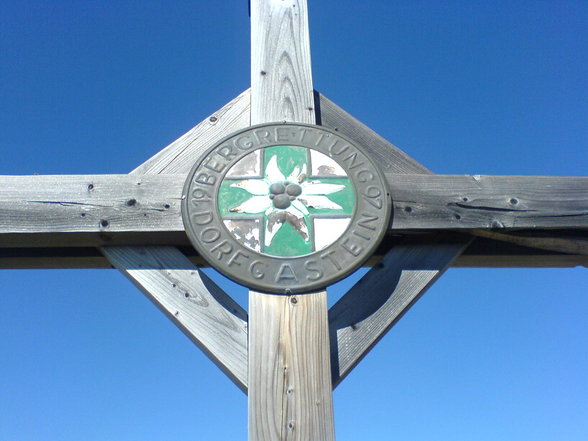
[289, 368]
[290, 389]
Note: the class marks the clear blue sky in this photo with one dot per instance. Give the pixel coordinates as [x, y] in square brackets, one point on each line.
[462, 86]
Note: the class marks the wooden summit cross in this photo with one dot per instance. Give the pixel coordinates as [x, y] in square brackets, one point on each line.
[288, 351]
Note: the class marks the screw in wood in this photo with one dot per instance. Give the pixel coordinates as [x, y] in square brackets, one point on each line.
[496, 224]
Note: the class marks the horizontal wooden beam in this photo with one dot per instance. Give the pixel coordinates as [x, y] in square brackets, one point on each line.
[87, 208]
[482, 252]
[488, 202]
[106, 210]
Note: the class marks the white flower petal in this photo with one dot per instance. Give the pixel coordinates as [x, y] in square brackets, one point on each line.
[320, 202]
[270, 233]
[300, 207]
[253, 186]
[315, 188]
[272, 172]
[255, 204]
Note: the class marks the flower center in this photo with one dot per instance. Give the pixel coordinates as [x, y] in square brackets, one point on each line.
[283, 193]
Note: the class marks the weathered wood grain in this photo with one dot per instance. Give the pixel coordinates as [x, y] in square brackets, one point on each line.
[100, 204]
[357, 322]
[489, 202]
[193, 302]
[180, 155]
[288, 364]
[281, 78]
[290, 394]
[115, 209]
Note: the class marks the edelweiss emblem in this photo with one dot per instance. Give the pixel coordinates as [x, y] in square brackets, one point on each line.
[297, 202]
[285, 208]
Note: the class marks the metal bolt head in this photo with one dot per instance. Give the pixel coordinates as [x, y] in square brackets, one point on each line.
[294, 190]
[281, 201]
[277, 188]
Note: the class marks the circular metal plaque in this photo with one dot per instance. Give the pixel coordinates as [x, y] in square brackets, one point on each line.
[285, 208]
